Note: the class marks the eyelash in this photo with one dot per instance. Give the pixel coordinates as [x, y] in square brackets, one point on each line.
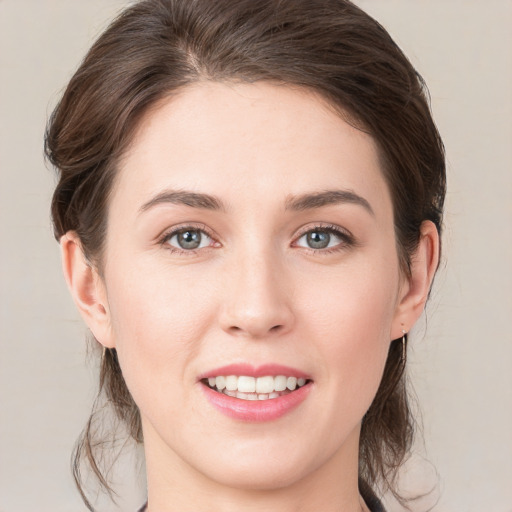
[347, 239]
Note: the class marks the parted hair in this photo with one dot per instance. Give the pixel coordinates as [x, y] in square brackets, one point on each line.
[153, 49]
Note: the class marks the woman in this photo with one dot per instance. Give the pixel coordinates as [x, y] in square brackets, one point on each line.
[249, 210]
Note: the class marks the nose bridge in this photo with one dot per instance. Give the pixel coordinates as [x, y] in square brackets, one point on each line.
[257, 299]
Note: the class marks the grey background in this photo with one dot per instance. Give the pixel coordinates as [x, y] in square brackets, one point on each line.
[461, 366]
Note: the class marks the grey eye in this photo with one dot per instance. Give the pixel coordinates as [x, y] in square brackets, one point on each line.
[318, 239]
[322, 238]
[189, 239]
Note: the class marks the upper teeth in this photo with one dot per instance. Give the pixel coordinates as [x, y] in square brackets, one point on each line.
[263, 385]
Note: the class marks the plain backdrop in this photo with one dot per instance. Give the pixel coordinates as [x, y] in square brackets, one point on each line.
[461, 365]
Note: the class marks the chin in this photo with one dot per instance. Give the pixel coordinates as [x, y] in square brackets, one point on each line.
[264, 475]
[267, 464]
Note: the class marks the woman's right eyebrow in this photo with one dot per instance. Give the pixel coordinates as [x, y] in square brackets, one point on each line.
[184, 197]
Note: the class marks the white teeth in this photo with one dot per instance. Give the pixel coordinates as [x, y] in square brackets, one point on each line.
[220, 382]
[253, 396]
[246, 384]
[291, 383]
[251, 388]
[280, 383]
[265, 384]
[232, 382]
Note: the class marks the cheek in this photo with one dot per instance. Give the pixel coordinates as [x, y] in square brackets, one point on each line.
[351, 315]
[155, 324]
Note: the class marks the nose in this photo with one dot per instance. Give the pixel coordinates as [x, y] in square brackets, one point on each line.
[257, 297]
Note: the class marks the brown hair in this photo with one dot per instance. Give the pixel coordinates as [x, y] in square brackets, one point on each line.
[331, 47]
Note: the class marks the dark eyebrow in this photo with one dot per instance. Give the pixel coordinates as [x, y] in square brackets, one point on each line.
[326, 198]
[184, 197]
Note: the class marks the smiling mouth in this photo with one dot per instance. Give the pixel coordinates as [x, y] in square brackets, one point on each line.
[255, 388]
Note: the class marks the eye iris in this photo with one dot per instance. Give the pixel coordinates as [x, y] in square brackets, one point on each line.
[318, 239]
[189, 239]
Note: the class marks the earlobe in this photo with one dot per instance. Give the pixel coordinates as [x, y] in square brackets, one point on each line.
[86, 287]
[416, 288]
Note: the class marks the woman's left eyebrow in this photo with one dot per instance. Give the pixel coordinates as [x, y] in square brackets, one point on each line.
[326, 198]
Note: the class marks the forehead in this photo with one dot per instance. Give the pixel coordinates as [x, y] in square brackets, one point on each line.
[248, 141]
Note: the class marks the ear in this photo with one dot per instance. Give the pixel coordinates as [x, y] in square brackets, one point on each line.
[86, 287]
[415, 288]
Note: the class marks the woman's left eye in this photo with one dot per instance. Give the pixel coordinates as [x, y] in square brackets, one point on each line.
[322, 238]
[188, 239]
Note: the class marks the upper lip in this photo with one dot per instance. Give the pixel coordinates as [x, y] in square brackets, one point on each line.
[250, 370]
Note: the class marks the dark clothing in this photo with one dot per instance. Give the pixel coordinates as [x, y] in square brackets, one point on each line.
[369, 497]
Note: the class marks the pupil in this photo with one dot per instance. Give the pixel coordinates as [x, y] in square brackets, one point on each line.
[189, 239]
[318, 239]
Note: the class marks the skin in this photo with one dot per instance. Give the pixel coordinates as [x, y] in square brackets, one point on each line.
[253, 292]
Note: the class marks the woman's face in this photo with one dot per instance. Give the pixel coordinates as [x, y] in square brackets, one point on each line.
[250, 234]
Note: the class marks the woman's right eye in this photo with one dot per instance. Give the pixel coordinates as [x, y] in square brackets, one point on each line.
[188, 239]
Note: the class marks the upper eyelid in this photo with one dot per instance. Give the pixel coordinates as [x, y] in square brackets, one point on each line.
[174, 230]
[323, 226]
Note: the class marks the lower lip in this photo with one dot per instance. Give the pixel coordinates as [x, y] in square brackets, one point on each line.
[256, 410]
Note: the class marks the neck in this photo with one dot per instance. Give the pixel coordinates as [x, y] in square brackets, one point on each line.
[174, 485]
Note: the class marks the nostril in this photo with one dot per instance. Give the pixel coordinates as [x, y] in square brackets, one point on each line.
[235, 329]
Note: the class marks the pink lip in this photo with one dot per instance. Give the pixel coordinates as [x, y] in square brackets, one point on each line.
[254, 371]
[256, 410]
